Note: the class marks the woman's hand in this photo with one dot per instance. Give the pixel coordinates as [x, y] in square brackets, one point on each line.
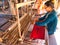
[34, 20]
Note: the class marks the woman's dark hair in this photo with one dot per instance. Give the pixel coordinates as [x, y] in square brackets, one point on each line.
[49, 3]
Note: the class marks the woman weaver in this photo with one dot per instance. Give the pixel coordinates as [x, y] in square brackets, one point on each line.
[49, 21]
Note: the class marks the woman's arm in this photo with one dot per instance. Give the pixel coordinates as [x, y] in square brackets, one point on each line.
[46, 21]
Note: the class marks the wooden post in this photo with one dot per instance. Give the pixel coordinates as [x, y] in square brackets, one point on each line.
[15, 1]
[12, 9]
[18, 22]
[55, 3]
[20, 1]
[17, 12]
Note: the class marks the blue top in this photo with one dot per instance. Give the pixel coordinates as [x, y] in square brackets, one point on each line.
[50, 22]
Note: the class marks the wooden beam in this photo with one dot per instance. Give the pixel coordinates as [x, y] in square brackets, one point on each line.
[24, 3]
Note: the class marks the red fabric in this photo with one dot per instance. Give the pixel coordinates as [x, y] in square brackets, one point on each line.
[38, 32]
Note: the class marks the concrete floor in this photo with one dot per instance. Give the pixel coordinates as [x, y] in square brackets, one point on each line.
[57, 33]
[57, 36]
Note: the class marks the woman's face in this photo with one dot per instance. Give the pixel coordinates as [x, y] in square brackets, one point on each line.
[48, 9]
